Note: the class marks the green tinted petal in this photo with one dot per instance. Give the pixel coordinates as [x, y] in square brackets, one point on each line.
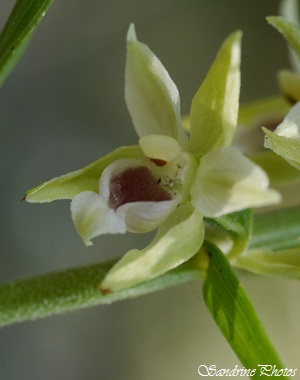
[284, 263]
[214, 108]
[151, 96]
[18, 30]
[227, 181]
[177, 240]
[290, 31]
[86, 179]
[279, 171]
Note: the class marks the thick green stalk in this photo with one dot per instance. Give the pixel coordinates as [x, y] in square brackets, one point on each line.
[56, 293]
[72, 289]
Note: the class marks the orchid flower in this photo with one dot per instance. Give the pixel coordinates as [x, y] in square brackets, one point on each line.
[280, 123]
[172, 179]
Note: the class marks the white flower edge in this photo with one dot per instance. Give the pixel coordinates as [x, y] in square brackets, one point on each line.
[227, 181]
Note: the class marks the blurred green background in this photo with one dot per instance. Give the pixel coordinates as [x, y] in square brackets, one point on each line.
[62, 108]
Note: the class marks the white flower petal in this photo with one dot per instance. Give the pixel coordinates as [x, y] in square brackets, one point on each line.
[151, 96]
[227, 181]
[92, 217]
[146, 216]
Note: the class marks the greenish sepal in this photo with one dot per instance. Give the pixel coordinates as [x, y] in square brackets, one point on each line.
[214, 108]
[177, 240]
[86, 179]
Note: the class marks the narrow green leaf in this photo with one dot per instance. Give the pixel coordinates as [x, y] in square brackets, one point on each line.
[72, 289]
[14, 38]
[235, 315]
[214, 109]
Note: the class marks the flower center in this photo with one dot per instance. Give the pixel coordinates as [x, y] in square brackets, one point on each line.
[136, 185]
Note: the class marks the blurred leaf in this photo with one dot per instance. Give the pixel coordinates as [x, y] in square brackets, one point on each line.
[254, 114]
[279, 171]
[285, 263]
[276, 230]
[235, 315]
[15, 35]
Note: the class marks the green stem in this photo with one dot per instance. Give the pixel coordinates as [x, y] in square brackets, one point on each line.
[72, 289]
[77, 288]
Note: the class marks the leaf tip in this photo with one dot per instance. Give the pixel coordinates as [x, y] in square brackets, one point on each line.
[131, 34]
